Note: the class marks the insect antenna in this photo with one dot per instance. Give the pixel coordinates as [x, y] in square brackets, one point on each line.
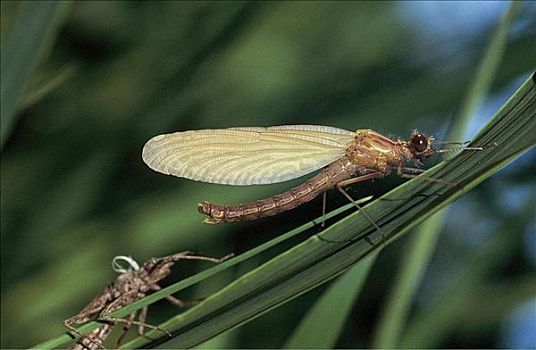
[452, 142]
[460, 146]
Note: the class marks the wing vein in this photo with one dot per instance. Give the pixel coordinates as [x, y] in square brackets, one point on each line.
[247, 156]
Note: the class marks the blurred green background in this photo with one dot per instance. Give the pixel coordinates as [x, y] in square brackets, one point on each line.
[75, 193]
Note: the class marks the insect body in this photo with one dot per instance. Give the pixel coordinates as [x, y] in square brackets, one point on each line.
[254, 156]
[94, 339]
[131, 285]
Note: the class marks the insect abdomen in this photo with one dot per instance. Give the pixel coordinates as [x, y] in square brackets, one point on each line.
[217, 213]
[98, 335]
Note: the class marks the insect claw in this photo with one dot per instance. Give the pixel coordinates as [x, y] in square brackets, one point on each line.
[210, 221]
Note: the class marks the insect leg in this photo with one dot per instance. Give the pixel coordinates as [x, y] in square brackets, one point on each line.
[423, 195]
[125, 328]
[360, 209]
[69, 324]
[142, 318]
[96, 336]
[123, 300]
[324, 200]
[188, 256]
[180, 303]
[410, 173]
[175, 301]
[170, 298]
[342, 184]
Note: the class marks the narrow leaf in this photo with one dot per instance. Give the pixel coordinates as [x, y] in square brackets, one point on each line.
[21, 52]
[321, 326]
[421, 247]
[432, 323]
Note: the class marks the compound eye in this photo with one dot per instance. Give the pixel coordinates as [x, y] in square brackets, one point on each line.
[419, 143]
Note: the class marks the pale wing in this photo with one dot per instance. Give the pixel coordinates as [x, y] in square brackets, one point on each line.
[246, 156]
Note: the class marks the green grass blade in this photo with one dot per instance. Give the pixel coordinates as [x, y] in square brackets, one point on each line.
[48, 84]
[434, 322]
[321, 326]
[420, 250]
[487, 70]
[21, 52]
[409, 276]
[315, 261]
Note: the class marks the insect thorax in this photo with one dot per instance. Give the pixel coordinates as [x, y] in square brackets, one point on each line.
[374, 151]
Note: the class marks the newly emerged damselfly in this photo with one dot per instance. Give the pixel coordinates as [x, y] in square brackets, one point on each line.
[265, 155]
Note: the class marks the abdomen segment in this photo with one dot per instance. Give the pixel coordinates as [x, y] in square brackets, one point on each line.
[339, 170]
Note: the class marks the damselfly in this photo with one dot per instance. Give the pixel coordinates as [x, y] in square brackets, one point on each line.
[258, 155]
